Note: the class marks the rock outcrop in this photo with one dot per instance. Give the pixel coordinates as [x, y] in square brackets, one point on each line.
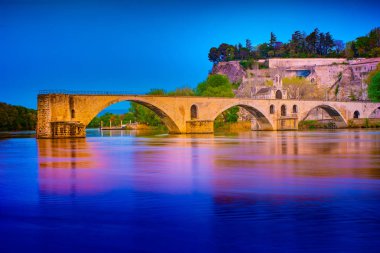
[233, 70]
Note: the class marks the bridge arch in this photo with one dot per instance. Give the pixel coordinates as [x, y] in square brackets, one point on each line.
[374, 112]
[262, 120]
[157, 109]
[332, 112]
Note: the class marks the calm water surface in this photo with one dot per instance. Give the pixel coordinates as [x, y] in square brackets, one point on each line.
[250, 192]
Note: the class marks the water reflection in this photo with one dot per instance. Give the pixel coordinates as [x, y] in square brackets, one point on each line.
[247, 192]
[261, 160]
[68, 166]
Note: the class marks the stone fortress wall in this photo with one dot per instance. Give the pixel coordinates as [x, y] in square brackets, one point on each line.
[301, 62]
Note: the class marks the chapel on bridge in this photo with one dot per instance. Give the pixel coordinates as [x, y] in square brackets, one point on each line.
[274, 92]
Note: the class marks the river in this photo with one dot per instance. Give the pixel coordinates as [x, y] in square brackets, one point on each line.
[120, 191]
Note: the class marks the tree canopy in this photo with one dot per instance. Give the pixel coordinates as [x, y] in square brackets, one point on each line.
[17, 118]
[215, 86]
[374, 85]
[302, 45]
[219, 86]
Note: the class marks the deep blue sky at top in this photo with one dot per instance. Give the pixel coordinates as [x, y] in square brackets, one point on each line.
[138, 45]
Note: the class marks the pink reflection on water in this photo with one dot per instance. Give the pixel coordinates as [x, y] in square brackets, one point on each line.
[275, 165]
[70, 165]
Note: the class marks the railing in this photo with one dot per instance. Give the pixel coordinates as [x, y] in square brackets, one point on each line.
[83, 92]
[117, 93]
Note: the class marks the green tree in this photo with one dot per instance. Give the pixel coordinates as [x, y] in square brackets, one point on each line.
[373, 81]
[301, 88]
[374, 88]
[214, 55]
[185, 91]
[17, 118]
[248, 45]
[272, 43]
[218, 86]
[312, 41]
[215, 86]
[230, 53]
[145, 115]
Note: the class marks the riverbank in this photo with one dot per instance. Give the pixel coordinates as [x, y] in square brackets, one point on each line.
[352, 123]
[239, 126]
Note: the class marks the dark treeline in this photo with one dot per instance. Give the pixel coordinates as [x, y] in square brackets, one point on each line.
[17, 118]
[302, 45]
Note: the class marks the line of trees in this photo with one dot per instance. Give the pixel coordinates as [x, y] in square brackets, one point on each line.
[364, 46]
[302, 45]
[17, 118]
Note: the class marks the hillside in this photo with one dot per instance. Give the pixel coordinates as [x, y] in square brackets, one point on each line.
[339, 78]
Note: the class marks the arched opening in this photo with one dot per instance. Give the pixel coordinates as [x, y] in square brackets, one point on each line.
[271, 109]
[258, 119]
[72, 114]
[283, 110]
[323, 116]
[145, 109]
[194, 112]
[375, 114]
[356, 114]
[295, 109]
[278, 94]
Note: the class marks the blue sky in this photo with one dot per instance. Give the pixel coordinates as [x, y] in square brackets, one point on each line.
[134, 46]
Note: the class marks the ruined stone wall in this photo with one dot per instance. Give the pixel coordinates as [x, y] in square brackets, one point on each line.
[300, 62]
[326, 76]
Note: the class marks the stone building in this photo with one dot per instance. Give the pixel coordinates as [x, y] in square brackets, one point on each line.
[361, 67]
[274, 92]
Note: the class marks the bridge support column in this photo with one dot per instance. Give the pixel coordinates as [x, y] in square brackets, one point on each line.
[43, 129]
[53, 119]
[67, 130]
[199, 126]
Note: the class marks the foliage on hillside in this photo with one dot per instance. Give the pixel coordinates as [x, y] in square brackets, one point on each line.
[215, 86]
[17, 118]
[219, 86]
[373, 81]
[365, 46]
[301, 88]
[300, 45]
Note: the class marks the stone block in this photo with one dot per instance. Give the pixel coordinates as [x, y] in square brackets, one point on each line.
[199, 126]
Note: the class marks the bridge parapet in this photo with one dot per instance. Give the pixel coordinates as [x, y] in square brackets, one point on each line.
[65, 114]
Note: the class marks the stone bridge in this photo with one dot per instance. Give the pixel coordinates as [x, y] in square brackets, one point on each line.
[67, 115]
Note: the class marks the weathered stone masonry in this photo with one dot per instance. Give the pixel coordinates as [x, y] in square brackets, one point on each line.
[67, 115]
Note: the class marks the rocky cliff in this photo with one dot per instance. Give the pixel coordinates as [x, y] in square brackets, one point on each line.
[233, 70]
